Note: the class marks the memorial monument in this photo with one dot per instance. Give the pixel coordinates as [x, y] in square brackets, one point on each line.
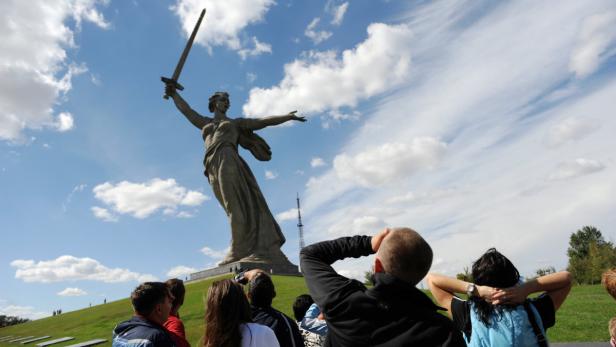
[256, 237]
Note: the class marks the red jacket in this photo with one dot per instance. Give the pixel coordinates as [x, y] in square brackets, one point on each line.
[175, 328]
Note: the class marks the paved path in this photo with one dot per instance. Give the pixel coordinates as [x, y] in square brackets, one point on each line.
[580, 344]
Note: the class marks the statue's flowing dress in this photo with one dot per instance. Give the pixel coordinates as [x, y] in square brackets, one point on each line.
[255, 234]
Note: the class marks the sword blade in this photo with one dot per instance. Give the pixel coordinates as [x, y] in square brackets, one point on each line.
[178, 68]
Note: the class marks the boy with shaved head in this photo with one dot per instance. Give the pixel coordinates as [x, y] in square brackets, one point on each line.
[393, 312]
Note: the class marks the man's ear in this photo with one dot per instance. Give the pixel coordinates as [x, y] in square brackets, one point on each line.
[378, 266]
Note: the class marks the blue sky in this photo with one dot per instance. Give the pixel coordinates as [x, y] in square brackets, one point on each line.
[479, 124]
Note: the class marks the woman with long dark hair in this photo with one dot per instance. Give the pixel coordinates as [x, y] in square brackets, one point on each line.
[497, 312]
[228, 322]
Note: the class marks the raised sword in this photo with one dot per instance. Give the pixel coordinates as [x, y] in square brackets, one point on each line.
[178, 68]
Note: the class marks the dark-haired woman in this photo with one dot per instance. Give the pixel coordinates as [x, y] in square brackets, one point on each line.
[255, 234]
[497, 312]
[228, 322]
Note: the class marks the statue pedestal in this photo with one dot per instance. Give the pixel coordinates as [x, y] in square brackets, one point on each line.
[272, 268]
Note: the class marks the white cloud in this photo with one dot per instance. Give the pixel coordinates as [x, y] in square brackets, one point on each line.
[570, 129]
[317, 162]
[270, 175]
[389, 162]
[251, 77]
[290, 214]
[214, 254]
[65, 122]
[143, 199]
[575, 168]
[338, 13]
[322, 81]
[71, 291]
[69, 198]
[70, 268]
[224, 22]
[35, 39]
[595, 43]
[103, 214]
[259, 48]
[181, 271]
[504, 139]
[316, 36]
[23, 312]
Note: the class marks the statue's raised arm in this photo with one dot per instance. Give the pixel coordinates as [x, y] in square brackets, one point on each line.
[193, 116]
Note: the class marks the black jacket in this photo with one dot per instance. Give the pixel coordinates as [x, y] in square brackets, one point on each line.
[138, 332]
[285, 328]
[392, 313]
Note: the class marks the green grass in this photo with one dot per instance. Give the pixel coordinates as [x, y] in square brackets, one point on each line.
[583, 316]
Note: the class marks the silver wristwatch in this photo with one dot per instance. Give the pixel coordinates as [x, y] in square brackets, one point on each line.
[471, 290]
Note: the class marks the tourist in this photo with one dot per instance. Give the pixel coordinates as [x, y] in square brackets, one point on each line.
[174, 325]
[261, 292]
[608, 279]
[228, 322]
[498, 312]
[151, 305]
[393, 312]
[301, 306]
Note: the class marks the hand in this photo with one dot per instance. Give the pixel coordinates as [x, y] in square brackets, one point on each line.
[294, 117]
[170, 89]
[509, 296]
[378, 238]
[486, 293]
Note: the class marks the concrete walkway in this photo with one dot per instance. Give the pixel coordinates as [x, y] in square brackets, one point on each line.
[580, 344]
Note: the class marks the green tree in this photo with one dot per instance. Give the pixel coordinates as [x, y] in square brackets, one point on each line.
[465, 276]
[545, 271]
[589, 255]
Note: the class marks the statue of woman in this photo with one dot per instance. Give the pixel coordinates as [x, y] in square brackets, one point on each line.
[255, 234]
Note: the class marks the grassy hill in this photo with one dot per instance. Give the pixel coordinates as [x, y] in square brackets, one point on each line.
[583, 317]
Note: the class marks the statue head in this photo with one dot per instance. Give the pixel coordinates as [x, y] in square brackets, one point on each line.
[219, 100]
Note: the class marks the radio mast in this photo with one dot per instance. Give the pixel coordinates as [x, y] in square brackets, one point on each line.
[300, 226]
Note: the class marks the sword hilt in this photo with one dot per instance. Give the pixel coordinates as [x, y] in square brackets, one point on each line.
[173, 82]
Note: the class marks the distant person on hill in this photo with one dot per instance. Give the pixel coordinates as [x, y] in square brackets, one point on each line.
[261, 292]
[174, 324]
[228, 322]
[393, 312]
[498, 312]
[151, 304]
[301, 306]
[608, 279]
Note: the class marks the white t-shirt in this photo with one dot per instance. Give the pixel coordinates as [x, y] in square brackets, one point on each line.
[257, 335]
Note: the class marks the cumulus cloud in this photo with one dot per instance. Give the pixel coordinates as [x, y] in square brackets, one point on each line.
[213, 253]
[270, 175]
[143, 199]
[287, 215]
[575, 168]
[595, 43]
[317, 162]
[258, 49]
[361, 225]
[70, 291]
[316, 36]
[338, 13]
[35, 40]
[570, 129]
[323, 81]
[389, 162]
[225, 21]
[181, 271]
[22, 312]
[103, 214]
[70, 268]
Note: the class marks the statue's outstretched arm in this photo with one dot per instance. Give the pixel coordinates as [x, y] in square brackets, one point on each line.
[195, 118]
[260, 123]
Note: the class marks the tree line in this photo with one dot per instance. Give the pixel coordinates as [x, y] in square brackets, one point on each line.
[6, 321]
